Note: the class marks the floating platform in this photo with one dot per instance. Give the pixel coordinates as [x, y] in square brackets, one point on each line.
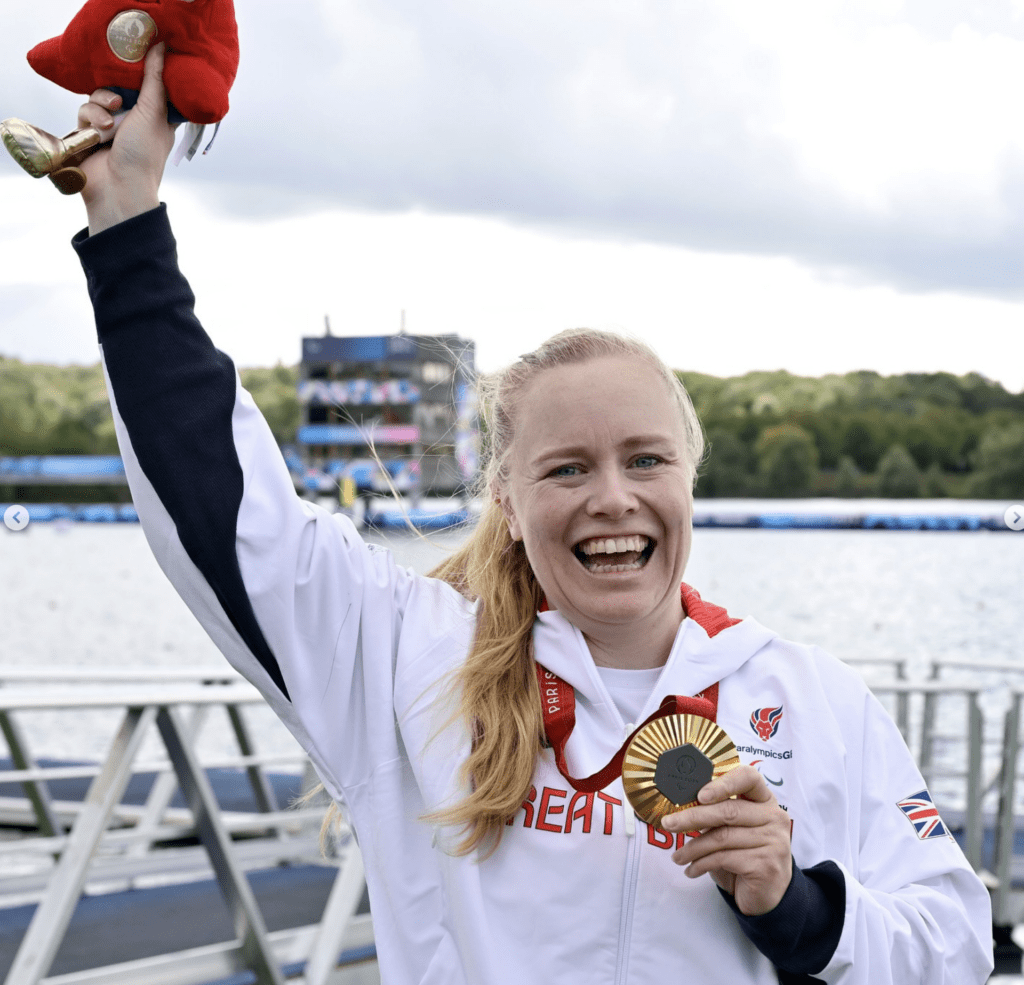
[115, 928]
[128, 925]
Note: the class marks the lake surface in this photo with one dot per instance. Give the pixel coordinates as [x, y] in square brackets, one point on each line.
[92, 595]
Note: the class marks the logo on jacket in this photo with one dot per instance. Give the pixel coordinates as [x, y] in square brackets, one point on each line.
[757, 763]
[765, 722]
[923, 815]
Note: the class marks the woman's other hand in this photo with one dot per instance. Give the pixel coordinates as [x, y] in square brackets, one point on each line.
[124, 180]
[744, 843]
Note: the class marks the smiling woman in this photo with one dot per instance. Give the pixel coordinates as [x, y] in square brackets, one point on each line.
[472, 721]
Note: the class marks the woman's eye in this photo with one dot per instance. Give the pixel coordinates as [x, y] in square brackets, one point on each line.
[646, 461]
[565, 471]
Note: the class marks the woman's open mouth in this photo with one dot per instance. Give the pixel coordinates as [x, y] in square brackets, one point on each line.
[605, 555]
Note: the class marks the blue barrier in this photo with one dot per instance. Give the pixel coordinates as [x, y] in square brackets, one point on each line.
[82, 513]
[805, 521]
[420, 519]
[98, 513]
[848, 521]
[60, 467]
[725, 520]
[81, 466]
[918, 521]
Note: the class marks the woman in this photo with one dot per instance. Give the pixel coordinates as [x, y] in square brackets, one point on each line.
[418, 701]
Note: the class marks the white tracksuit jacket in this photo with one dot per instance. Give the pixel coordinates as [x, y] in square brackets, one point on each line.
[354, 652]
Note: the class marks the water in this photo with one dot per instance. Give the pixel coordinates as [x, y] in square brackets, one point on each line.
[92, 595]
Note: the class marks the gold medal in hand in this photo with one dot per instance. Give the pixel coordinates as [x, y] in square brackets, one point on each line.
[670, 759]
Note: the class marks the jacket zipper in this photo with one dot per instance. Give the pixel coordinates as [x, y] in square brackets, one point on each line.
[631, 877]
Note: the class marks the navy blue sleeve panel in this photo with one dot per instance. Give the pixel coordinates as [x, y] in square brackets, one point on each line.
[802, 933]
[175, 393]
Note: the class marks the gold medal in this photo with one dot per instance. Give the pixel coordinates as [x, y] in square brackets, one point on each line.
[130, 35]
[670, 759]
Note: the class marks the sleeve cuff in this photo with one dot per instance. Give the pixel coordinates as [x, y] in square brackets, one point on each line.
[121, 244]
[802, 933]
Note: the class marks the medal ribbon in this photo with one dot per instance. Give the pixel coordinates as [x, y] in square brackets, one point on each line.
[558, 700]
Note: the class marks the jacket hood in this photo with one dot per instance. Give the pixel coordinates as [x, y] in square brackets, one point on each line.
[702, 654]
[695, 661]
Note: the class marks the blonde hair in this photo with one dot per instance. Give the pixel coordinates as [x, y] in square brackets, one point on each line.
[499, 698]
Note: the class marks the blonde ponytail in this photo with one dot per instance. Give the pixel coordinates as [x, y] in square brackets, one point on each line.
[499, 697]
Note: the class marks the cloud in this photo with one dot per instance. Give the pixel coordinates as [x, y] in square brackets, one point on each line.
[878, 142]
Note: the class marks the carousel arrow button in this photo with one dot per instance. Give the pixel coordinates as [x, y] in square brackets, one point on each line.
[16, 518]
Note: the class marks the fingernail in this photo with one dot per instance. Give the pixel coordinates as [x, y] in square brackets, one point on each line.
[704, 796]
[106, 124]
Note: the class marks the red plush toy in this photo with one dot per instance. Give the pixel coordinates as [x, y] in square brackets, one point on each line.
[105, 46]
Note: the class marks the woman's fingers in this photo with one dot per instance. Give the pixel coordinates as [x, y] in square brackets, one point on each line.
[719, 802]
[759, 877]
[153, 95]
[745, 839]
[761, 832]
[93, 115]
[98, 111]
[107, 99]
[744, 781]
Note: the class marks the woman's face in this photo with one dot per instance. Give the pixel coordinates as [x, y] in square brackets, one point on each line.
[599, 493]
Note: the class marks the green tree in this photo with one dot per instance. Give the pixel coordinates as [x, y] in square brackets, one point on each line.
[861, 442]
[848, 478]
[935, 486]
[728, 467]
[898, 475]
[787, 460]
[274, 392]
[999, 463]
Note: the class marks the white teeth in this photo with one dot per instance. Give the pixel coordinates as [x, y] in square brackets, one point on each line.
[601, 568]
[618, 545]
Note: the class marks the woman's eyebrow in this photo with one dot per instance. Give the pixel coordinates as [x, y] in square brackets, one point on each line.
[579, 451]
[647, 440]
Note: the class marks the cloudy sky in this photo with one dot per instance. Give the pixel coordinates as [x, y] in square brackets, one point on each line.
[811, 185]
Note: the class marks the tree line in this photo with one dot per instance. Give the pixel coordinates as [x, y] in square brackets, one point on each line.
[769, 433]
[859, 434]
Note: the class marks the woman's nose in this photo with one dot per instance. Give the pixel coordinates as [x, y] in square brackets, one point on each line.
[611, 495]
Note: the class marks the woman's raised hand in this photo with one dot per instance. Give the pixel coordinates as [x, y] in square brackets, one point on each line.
[124, 180]
[744, 843]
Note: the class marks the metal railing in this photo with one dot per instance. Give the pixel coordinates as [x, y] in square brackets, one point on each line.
[989, 762]
[101, 840]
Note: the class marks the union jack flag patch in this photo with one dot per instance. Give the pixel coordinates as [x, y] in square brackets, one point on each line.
[923, 815]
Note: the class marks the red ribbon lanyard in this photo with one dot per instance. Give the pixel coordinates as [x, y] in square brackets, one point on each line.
[558, 700]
